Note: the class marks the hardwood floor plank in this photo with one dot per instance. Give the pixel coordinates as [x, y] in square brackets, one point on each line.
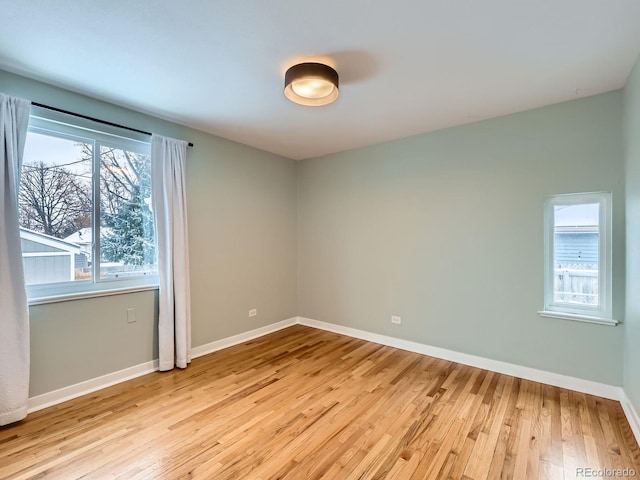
[305, 404]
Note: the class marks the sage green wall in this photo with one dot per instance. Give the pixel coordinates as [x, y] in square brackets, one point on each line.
[242, 236]
[79, 340]
[632, 164]
[445, 229]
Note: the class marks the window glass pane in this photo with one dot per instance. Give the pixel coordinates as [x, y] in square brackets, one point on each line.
[127, 237]
[576, 254]
[55, 209]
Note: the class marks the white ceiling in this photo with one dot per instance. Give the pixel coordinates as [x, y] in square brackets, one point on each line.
[405, 66]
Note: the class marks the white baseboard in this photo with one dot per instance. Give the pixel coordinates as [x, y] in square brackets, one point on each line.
[632, 416]
[564, 381]
[241, 338]
[89, 386]
[557, 380]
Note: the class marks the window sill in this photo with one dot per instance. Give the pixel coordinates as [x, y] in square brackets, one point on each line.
[85, 295]
[578, 318]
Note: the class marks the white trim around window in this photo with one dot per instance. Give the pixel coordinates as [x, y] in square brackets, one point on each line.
[556, 305]
[62, 126]
[65, 291]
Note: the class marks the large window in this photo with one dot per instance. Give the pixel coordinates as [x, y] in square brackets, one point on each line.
[85, 210]
[578, 255]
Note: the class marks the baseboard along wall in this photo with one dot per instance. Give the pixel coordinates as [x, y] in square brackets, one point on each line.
[89, 386]
[632, 416]
[563, 381]
[527, 373]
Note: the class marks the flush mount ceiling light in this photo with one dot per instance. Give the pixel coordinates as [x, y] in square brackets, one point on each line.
[311, 84]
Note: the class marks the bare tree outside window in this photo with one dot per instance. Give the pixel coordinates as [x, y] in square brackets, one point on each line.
[56, 202]
[53, 200]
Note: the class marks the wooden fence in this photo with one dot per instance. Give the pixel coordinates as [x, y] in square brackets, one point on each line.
[576, 283]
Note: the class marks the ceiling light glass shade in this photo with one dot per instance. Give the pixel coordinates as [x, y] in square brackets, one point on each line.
[311, 84]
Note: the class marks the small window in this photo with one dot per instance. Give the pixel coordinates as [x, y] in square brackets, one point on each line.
[85, 215]
[578, 255]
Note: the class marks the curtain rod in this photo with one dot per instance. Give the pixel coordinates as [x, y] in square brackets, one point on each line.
[86, 117]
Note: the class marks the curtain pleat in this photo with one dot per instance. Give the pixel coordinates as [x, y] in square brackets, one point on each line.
[14, 311]
[168, 157]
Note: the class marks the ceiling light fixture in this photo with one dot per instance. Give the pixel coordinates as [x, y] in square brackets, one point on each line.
[311, 84]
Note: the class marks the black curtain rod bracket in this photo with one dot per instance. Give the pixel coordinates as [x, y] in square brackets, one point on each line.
[93, 119]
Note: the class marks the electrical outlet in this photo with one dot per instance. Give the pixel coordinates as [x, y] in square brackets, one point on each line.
[253, 312]
[396, 319]
[131, 315]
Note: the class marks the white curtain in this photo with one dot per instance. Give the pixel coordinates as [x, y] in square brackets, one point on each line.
[168, 157]
[14, 312]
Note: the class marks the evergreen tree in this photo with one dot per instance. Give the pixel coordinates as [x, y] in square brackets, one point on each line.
[129, 238]
[126, 217]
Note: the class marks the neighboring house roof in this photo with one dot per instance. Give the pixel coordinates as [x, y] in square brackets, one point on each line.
[49, 241]
[84, 235]
[586, 216]
[81, 237]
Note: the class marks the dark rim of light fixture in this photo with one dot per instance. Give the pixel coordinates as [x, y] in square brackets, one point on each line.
[311, 70]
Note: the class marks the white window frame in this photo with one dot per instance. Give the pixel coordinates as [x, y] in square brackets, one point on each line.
[602, 313]
[65, 126]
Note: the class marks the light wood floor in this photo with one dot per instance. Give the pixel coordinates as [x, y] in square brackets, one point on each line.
[304, 404]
